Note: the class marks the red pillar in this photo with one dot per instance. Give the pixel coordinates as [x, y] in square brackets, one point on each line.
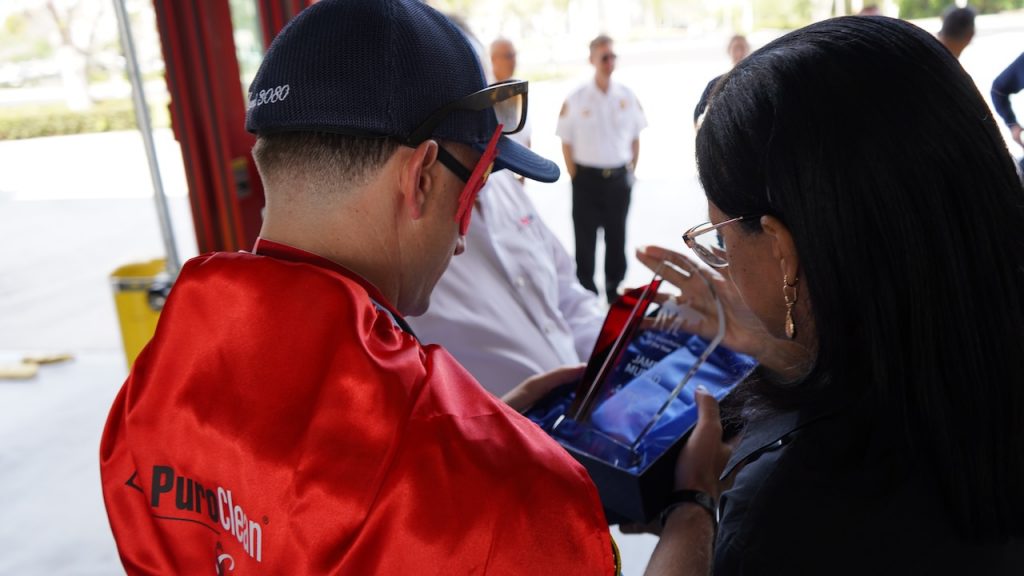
[208, 105]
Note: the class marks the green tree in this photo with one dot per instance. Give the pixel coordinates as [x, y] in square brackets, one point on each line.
[20, 41]
[933, 8]
[922, 8]
[992, 6]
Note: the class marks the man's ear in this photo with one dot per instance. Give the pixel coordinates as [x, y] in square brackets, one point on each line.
[783, 246]
[416, 179]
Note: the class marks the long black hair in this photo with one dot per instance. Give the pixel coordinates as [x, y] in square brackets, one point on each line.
[869, 141]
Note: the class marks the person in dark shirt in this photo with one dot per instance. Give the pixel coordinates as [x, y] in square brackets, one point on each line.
[957, 29]
[1009, 81]
[883, 250]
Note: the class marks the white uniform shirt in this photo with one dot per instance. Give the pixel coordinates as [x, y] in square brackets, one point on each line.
[601, 127]
[510, 306]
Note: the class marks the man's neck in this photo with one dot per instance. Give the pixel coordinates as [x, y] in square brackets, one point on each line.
[333, 234]
[603, 82]
[955, 47]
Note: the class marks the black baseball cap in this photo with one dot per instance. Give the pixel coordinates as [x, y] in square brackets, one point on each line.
[378, 68]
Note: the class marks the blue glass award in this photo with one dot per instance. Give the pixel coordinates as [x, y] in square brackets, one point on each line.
[631, 413]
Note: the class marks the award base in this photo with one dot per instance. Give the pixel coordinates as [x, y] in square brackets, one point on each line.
[628, 496]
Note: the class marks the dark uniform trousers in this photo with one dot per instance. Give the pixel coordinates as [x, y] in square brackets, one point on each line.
[600, 199]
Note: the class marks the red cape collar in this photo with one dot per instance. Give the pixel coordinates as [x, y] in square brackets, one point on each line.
[269, 248]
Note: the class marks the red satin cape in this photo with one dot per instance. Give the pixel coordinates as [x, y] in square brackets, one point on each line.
[280, 422]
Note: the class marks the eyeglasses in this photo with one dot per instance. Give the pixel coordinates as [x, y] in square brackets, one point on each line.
[507, 98]
[710, 248]
[609, 56]
[474, 180]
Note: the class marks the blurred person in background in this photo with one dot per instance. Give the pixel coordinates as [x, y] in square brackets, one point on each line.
[503, 64]
[957, 29]
[503, 59]
[738, 49]
[1009, 82]
[510, 306]
[600, 124]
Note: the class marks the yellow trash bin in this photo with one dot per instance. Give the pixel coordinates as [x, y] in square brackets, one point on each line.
[140, 290]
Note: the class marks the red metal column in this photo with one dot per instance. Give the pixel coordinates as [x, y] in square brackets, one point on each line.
[208, 114]
[276, 13]
[208, 118]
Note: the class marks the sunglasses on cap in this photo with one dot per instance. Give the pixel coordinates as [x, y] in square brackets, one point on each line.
[508, 99]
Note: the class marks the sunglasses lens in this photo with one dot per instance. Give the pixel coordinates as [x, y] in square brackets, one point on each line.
[510, 112]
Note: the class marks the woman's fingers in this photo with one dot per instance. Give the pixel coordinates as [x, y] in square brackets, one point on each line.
[701, 460]
[682, 272]
[675, 275]
[666, 255]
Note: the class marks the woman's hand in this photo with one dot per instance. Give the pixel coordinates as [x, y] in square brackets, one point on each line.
[526, 394]
[687, 538]
[700, 462]
[744, 332]
[704, 455]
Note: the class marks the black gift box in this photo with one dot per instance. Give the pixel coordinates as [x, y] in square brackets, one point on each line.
[626, 497]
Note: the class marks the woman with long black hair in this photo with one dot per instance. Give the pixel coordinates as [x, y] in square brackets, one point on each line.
[868, 225]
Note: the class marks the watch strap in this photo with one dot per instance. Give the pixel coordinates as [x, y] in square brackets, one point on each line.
[702, 499]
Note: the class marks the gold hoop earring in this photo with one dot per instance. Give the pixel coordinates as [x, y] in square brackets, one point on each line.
[790, 295]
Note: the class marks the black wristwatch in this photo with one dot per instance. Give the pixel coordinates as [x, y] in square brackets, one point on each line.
[702, 499]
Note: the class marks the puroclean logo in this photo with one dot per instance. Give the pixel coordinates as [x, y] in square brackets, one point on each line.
[220, 507]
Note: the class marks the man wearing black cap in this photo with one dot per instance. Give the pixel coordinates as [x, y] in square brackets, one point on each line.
[284, 418]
